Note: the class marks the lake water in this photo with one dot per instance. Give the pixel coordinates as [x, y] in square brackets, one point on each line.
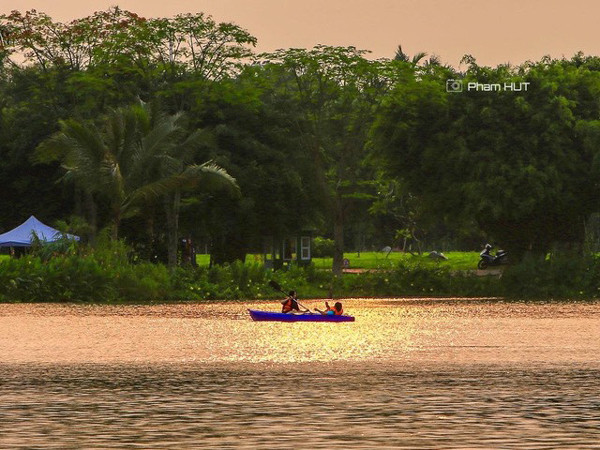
[407, 374]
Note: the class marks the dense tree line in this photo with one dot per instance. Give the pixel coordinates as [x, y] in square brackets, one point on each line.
[368, 152]
[522, 164]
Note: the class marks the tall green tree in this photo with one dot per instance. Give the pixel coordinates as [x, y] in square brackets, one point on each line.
[113, 56]
[336, 90]
[254, 138]
[192, 42]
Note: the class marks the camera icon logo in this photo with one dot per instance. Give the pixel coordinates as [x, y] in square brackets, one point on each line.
[454, 86]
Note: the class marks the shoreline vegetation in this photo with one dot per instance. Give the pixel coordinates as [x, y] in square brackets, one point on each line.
[107, 274]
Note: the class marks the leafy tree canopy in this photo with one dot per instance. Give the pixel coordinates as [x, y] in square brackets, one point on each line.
[520, 163]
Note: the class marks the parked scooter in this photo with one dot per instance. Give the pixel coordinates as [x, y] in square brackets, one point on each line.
[487, 259]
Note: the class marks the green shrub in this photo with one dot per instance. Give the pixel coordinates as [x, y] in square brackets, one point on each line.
[144, 281]
[562, 275]
[230, 282]
[418, 278]
[322, 247]
[78, 273]
[62, 278]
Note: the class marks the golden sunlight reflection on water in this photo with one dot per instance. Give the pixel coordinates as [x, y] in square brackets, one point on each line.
[384, 331]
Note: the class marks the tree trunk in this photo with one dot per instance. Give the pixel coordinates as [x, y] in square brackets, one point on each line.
[335, 206]
[78, 195]
[115, 228]
[338, 237]
[92, 215]
[172, 212]
[150, 252]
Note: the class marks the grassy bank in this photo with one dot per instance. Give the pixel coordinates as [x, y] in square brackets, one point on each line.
[379, 260]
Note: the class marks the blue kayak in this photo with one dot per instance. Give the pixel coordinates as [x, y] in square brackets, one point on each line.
[309, 317]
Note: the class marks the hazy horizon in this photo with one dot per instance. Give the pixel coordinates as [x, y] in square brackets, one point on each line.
[502, 32]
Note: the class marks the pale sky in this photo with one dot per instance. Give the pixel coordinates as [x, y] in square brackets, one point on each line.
[494, 32]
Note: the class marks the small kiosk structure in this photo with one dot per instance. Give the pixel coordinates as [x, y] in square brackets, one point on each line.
[280, 252]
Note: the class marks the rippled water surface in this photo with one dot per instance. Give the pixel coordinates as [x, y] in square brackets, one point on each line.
[407, 373]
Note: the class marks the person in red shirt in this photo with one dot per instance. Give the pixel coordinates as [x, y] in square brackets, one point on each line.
[290, 303]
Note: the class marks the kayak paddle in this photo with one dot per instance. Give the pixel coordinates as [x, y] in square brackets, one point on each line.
[275, 285]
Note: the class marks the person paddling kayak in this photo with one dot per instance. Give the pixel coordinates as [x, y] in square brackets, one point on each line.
[290, 303]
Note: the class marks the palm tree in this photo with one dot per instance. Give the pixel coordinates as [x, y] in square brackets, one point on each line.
[401, 56]
[430, 64]
[134, 159]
